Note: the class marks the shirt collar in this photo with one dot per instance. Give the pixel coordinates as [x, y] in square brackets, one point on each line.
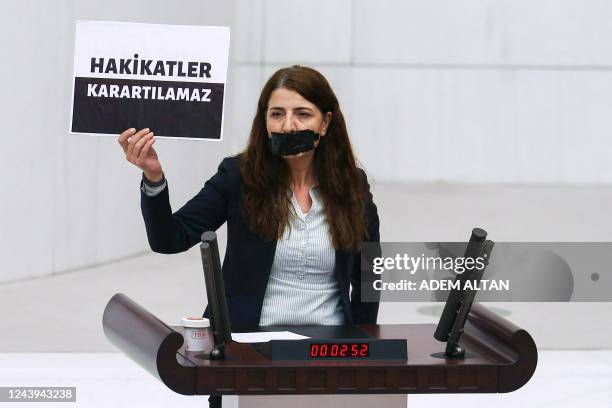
[314, 195]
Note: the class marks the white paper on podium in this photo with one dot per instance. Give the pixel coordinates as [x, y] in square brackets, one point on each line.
[261, 337]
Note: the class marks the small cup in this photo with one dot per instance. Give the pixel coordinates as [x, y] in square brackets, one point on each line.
[195, 332]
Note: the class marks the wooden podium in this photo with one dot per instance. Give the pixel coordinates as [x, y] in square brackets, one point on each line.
[500, 358]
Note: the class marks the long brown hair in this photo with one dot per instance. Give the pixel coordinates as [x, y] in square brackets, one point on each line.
[266, 178]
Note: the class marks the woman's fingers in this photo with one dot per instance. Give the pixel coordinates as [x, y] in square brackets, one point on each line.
[137, 146]
[145, 150]
[123, 138]
[140, 144]
[132, 142]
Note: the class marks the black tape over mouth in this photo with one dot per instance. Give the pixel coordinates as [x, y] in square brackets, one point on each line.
[289, 144]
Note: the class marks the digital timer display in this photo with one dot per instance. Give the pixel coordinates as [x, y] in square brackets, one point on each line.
[325, 350]
[339, 350]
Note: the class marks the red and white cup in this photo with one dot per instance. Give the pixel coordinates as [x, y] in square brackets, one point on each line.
[195, 332]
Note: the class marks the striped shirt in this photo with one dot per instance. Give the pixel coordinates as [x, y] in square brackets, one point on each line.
[302, 288]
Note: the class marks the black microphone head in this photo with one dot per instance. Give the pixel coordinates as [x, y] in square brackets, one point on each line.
[478, 235]
[208, 236]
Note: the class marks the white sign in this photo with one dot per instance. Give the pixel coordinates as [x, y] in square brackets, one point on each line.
[168, 78]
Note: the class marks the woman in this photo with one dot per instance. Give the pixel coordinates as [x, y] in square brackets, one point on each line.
[297, 209]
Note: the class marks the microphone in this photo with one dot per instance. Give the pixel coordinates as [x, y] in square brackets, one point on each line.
[215, 292]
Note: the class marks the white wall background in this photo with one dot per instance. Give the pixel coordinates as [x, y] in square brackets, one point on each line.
[483, 91]
[477, 91]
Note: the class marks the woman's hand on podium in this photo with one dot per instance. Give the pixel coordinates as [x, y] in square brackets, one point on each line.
[138, 149]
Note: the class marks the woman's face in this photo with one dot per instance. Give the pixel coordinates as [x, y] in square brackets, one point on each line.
[288, 111]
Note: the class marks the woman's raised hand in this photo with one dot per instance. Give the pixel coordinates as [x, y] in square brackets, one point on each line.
[138, 149]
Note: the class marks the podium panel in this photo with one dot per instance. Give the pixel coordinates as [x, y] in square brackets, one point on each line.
[500, 358]
[320, 401]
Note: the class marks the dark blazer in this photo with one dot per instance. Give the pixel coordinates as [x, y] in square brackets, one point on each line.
[248, 257]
